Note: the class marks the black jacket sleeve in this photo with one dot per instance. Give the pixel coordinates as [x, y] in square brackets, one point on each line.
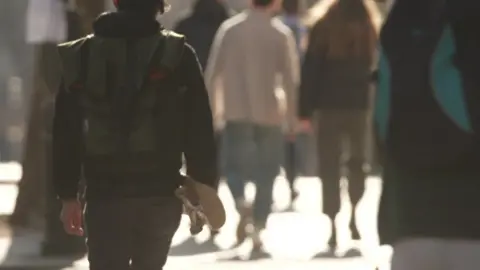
[200, 147]
[67, 145]
[309, 84]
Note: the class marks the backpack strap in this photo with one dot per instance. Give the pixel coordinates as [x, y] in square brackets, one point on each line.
[166, 55]
[74, 58]
[172, 51]
[84, 53]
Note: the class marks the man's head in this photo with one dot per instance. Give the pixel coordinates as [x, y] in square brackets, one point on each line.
[151, 7]
[271, 6]
[291, 7]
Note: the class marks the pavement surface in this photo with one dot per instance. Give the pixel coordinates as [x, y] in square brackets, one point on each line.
[292, 238]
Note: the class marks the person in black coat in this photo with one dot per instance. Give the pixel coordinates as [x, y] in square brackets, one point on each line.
[200, 27]
[427, 122]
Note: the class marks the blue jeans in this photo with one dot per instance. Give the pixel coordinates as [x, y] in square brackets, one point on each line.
[253, 152]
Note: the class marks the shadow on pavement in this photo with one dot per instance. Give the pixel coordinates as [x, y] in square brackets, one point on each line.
[192, 247]
[230, 258]
[259, 255]
[24, 252]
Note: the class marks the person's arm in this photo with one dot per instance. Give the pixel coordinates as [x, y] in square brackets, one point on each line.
[309, 83]
[200, 148]
[215, 66]
[290, 79]
[67, 145]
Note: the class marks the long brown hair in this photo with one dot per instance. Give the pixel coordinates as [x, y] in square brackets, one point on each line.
[344, 28]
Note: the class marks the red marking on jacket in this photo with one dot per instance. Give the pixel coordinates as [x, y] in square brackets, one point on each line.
[156, 75]
[76, 86]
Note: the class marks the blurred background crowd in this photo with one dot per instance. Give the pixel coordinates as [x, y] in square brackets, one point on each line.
[30, 28]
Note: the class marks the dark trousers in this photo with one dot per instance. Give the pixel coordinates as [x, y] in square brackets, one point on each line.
[341, 140]
[131, 233]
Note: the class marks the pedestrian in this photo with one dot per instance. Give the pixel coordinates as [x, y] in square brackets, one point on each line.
[249, 52]
[199, 27]
[335, 92]
[131, 101]
[426, 119]
[298, 153]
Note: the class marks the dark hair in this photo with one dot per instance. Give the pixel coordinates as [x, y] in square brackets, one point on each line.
[346, 30]
[291, 6]
[143, 6]
[262, 3]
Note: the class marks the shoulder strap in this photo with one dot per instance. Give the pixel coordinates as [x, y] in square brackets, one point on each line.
[74, 57]
[84, 53]
[172, 50]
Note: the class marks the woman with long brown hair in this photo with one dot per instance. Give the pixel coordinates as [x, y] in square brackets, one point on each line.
[335, 92]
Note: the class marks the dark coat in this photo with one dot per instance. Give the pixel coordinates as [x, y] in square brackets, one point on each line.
[338, 84]
[196, 143]
[429, 202]
[201, 26]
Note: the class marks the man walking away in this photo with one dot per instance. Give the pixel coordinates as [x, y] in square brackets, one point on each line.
[250, 51]
[131, 102]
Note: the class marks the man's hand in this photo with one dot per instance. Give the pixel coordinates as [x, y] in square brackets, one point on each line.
[71, 217]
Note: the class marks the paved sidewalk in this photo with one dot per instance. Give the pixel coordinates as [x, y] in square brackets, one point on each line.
[292, 238]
